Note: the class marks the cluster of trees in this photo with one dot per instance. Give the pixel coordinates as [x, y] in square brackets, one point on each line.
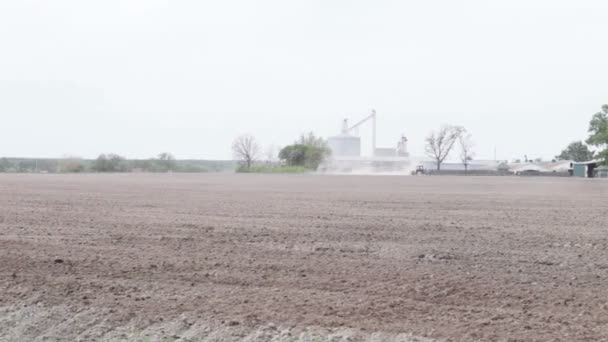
[598, 138]
[70, 164]
[308, 152]
[165, 162]
[440, 143]
[110, 163]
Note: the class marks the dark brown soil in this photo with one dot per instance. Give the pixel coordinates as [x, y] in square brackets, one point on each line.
[456, 258]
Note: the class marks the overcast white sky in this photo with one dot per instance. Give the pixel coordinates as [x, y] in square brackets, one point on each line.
[138, 77]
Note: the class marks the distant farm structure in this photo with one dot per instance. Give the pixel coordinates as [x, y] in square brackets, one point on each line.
[347, 157]
[590, 169]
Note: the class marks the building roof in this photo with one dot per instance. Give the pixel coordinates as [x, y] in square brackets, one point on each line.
[588, 162]
[558, 166]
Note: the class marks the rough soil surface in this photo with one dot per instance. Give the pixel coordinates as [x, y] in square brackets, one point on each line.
[302, 258]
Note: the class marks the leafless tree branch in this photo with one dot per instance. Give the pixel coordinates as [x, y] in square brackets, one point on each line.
[439, 144]
[246, 149]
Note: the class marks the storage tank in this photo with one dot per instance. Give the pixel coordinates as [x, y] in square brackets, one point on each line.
[345, 145]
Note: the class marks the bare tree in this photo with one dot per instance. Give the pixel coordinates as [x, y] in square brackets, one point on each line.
[466, 150]
[246, 149]
[439, 144]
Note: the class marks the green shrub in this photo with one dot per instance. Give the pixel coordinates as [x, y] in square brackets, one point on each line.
[309, 151]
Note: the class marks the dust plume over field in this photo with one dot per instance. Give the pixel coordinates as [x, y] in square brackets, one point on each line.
[300, 257]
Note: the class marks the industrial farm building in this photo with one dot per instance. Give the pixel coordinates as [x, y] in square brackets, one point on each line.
[590, 169]
[347, 156]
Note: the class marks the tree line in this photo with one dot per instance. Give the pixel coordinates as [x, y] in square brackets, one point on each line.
[165, 162]
[112, 163]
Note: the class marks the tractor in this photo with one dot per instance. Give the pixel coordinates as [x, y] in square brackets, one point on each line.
[420, 170]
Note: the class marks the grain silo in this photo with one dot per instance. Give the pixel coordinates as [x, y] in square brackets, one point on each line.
[345, 145]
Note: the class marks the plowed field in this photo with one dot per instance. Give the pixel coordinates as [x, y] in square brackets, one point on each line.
[296, 257]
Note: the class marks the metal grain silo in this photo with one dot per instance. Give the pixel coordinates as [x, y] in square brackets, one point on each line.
[345, 145]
